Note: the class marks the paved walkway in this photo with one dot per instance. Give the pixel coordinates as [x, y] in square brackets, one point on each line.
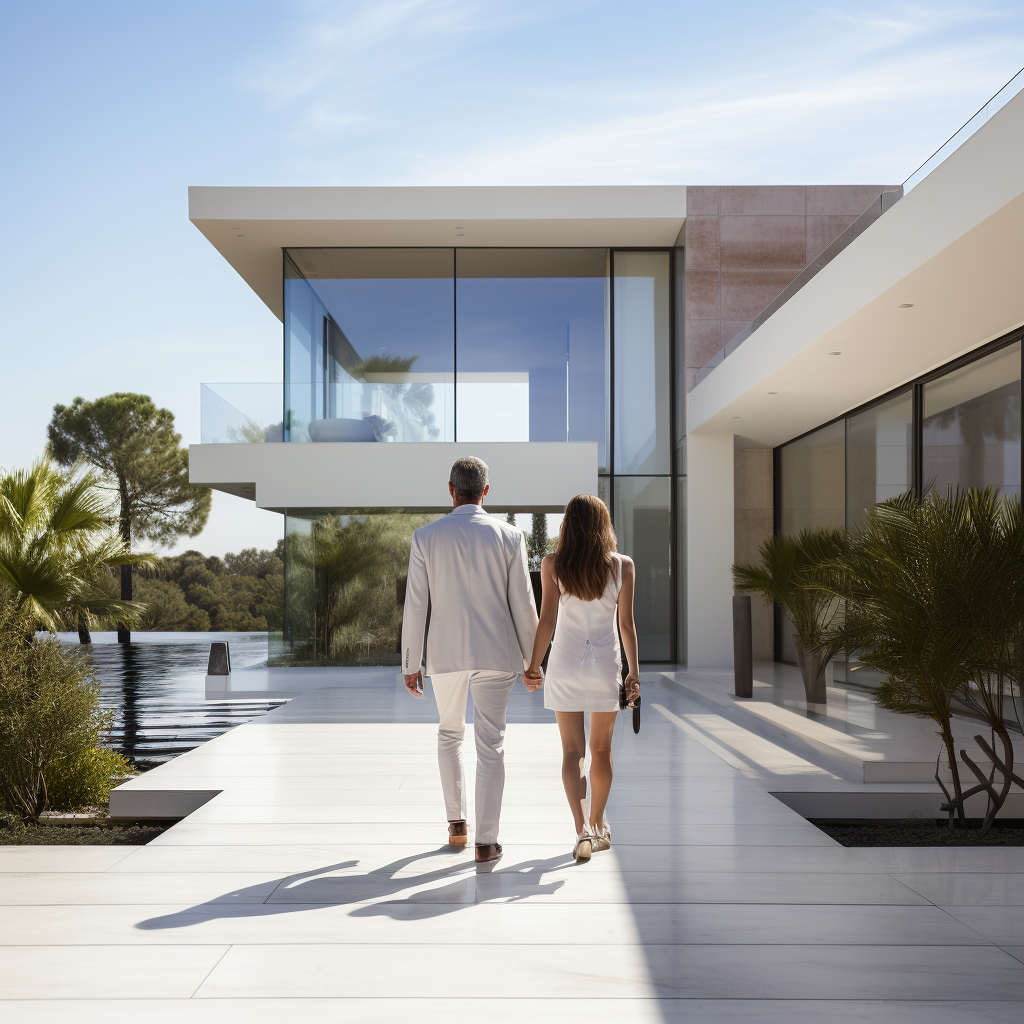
[315, 888]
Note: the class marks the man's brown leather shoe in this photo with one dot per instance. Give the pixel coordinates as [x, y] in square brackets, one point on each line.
[487, 851]
[458, 834]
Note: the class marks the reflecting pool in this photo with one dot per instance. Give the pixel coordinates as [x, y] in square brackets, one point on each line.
[156, 688]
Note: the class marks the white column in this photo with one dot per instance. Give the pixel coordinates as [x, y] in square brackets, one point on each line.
[710, 517]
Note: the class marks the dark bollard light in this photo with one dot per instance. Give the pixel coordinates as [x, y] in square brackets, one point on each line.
[220, 659]
[742, 646]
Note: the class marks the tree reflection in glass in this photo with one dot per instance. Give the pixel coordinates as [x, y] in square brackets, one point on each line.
[972, 426]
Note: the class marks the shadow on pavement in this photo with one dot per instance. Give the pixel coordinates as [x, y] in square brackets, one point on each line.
[308, 890]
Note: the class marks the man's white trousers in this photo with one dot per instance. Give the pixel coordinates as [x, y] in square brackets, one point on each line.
[491, 691]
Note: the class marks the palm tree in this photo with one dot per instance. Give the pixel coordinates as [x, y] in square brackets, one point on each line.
[786, 575]
[56, 545]
[996, 627]
[917, 579]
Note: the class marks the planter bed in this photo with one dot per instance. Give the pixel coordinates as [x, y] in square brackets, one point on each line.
[83, 833]
[920, 832]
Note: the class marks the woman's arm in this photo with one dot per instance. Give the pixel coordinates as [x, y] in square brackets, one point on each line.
[627, 627]
[546, 626]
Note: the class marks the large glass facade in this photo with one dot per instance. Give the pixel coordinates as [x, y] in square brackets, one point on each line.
[955, 429]
[405, 345]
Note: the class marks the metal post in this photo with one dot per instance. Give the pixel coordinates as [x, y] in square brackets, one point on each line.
[742, 646]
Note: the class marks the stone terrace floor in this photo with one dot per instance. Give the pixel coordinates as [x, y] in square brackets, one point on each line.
[316, 887]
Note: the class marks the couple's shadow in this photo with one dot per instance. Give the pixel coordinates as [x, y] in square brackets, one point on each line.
[314, 889]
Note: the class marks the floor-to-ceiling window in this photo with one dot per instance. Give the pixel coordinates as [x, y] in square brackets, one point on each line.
[406, 345]
[641, 464]
[956, 428]
[811, 494]
[879, 455]
[971, 426]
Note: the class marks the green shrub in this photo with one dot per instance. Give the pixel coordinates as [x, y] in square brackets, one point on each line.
[50, 720]
[83, 779]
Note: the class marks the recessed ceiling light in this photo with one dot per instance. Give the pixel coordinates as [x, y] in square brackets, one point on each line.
[906, 305]
[835, 353]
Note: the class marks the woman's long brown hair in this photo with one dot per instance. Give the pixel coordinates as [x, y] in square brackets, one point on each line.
[583, 559]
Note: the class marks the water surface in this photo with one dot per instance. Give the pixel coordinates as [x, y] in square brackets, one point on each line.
[156, 687]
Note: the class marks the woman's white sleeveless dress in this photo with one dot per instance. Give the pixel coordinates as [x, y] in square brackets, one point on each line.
[585, 664]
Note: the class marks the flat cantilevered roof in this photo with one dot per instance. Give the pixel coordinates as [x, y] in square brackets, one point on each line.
[250, 226]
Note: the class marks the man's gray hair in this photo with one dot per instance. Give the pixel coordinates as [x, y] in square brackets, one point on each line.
[469, 477]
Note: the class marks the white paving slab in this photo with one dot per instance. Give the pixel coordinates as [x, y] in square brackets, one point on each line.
[316, 885]
[385, 1010]
[623, 972]
[526, 921]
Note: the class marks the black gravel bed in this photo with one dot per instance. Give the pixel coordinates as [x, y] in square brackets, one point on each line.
[129, 834]
[920, 832]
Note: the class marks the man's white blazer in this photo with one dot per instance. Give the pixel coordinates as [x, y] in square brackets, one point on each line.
[469, 570]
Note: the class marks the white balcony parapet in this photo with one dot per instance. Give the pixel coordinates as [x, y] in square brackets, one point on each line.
[538, 476]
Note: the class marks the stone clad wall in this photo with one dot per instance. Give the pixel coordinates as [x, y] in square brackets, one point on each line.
[745, 243]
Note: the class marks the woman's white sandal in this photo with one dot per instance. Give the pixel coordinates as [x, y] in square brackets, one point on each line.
[584, 847]
[602, 840]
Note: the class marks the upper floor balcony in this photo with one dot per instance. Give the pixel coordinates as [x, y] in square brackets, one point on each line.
[387, 407]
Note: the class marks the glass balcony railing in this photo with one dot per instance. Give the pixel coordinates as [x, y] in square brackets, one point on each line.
[240, 413]
[961, 135]
[404, 409]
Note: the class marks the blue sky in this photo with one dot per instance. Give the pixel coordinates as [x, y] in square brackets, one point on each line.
[111, 109]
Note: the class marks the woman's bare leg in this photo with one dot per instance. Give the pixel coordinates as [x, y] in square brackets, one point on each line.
[602, 724]
[574, 751]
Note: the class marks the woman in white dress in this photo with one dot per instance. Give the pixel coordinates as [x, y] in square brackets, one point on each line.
[587, 588]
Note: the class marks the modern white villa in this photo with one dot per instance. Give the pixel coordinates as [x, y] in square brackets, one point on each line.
[717, 363]
[720, 364]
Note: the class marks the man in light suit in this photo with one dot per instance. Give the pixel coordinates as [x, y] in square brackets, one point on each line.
[468, 573]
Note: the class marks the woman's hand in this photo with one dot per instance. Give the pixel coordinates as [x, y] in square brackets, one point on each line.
[632, 683]
[533, 679]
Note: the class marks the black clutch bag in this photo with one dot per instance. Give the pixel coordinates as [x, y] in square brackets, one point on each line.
[634, 704]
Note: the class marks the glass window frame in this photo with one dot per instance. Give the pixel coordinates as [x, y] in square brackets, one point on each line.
[607, 481]
[916, 387]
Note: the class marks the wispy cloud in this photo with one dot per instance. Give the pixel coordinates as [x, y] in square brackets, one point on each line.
[343, 55]
[401, 91]
[881, 118]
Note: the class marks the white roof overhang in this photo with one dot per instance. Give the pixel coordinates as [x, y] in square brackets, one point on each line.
[250, 226]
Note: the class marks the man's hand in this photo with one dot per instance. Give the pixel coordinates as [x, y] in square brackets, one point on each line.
[533, 679]
[414, 684]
